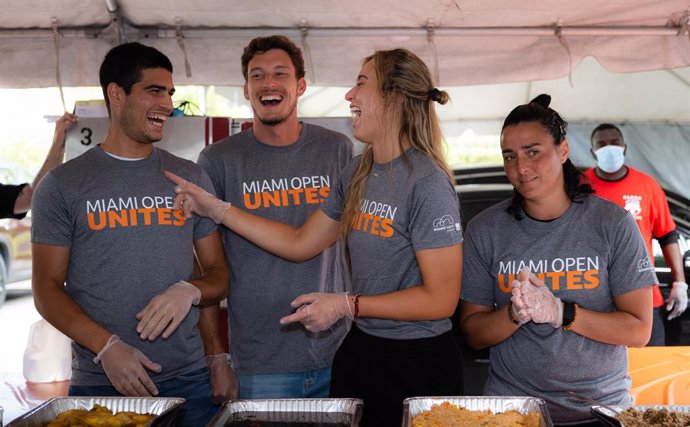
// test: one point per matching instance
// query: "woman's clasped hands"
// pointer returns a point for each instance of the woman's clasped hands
(533, 301)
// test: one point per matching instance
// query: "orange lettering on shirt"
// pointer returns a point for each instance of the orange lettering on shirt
(119, 218)
(591, 279)
(270, 198)
(573, 280)
(386, 228)
(252, 201)
(133, 219)
(323, 192)
(505, 282)
(376, 221)
(555, 277)
(147, 212)
(311, 196)
(164, 216)
(91, 219)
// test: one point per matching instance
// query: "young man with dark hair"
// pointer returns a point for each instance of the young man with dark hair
(113, 258)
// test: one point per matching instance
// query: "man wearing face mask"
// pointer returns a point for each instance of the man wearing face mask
(645, 200)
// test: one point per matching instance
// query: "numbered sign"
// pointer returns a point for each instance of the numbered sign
(182, 136)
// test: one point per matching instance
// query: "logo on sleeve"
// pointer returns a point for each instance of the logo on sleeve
(445, 223)
(645, 264)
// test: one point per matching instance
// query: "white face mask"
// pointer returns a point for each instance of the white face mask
(610, 158)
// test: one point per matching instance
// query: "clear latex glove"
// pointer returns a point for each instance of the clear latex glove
(677, 300)
(319, 311)
(164, 313)
(519, 308)
(224, 384)
(125, 367)
(193, 199)
(542, 305)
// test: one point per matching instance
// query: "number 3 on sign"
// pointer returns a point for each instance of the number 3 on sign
(86, 133)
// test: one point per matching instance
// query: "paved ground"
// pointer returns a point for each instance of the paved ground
(17, 315)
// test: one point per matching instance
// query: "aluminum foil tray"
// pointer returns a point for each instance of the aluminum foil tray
(608, 417)
(413, 406)
(165, 409)
(335, 412)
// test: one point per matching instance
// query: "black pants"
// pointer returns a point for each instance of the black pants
(658, 337)
(383, 372)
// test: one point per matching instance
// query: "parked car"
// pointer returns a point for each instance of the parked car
(15, 239)
(481, 187)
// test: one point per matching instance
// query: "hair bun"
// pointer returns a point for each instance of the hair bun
(543, 100)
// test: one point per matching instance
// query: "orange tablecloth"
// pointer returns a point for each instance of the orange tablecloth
(660, 375)
(18, 396)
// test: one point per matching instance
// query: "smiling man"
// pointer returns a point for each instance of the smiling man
(113, 258)
(280, 169)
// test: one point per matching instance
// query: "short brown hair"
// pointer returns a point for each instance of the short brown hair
(263, 44)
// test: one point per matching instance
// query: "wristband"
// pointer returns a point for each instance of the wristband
(112, 340)
(356, 303)
(212, 357)
(570, 311)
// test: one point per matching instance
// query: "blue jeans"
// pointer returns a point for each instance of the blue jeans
(194, 386)
(307, 384)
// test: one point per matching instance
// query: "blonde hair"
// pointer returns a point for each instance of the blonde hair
(401, 75)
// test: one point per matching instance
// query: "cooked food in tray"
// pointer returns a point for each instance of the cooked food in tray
(653, 418)
(100, 416)
(447, 414)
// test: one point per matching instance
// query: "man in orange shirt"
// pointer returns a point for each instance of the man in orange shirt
(645, 200)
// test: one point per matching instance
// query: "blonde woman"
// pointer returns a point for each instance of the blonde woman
(396, 206)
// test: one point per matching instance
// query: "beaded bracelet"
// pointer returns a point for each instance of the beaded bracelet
(356, 303)
(510, 314)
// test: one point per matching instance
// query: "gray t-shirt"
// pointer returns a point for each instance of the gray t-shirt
(126, 245)
(284, 184)
(588, 256)
(407, 207)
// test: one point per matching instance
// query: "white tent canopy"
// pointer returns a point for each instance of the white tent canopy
(619, 60)
(465, 42)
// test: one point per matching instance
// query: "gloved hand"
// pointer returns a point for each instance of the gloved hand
(319, 311)
(167, 310)
(677, 300)
(125, 367)
(542, 305)
(224, 384)
(192, 198)
(519, 307)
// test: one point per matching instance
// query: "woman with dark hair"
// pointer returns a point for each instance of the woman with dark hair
(396, 206)
(556, 281)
